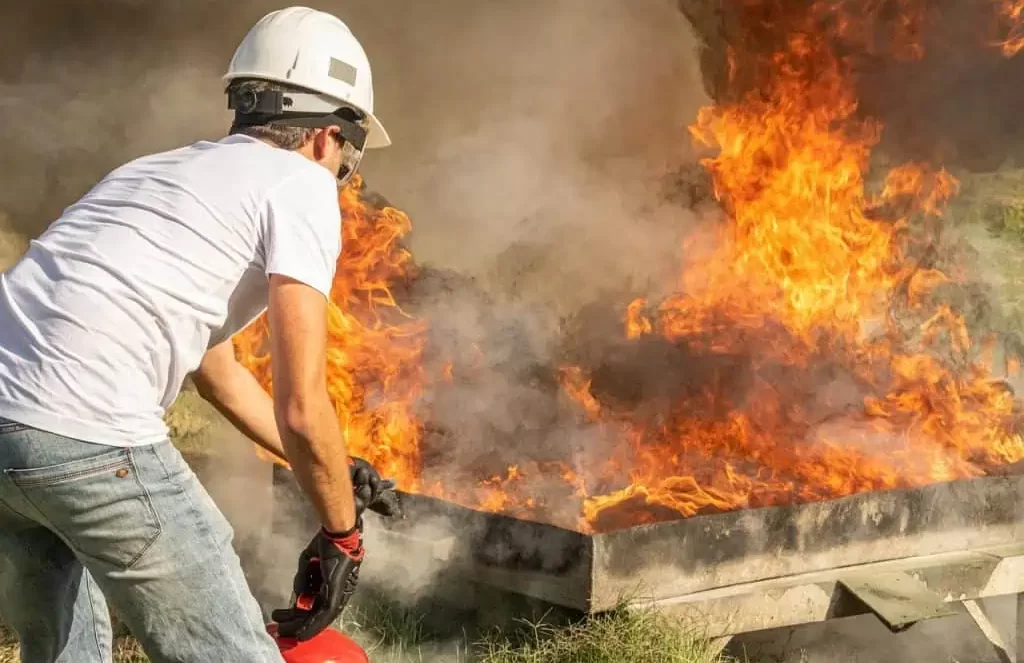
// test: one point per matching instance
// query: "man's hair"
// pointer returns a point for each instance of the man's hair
(288, 138)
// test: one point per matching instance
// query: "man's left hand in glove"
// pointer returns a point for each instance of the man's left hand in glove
(372, 492)
(329, 566)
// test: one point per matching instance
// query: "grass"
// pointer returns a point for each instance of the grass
(126, 649)
(389, 632)
(622, 636)
(191, 420)
(637, 636)
(8, 646)
(993, 207)
(400, 632)
(12, 244)
(392, 634)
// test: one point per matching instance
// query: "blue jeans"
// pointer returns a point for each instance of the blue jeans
(82, 524)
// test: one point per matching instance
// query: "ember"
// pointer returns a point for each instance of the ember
(817, 352)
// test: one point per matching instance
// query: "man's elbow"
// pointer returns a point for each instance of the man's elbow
(301, 416)
(204, 387)
(218, 375)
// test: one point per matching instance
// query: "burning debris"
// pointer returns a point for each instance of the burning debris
(822, 347)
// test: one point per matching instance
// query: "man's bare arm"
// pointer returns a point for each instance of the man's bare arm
(233, 390)
(306, 419)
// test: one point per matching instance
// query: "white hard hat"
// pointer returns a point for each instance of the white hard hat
(314, 50)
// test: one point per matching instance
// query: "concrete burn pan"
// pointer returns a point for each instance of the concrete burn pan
(594, 572)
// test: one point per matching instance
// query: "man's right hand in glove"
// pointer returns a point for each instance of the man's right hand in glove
(325, 581)
(329, 566)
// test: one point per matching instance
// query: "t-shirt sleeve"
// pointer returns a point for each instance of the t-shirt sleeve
(302, 232)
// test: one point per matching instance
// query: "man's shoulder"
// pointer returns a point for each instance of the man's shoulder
(250, 160)
(283, 165)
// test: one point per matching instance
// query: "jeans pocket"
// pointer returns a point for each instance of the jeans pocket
(97, 504)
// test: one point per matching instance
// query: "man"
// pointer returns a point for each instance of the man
(140, 283)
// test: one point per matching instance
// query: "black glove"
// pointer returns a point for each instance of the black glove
(325, 581)
(372, 492)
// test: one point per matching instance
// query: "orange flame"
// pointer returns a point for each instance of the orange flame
(856, 374)
(1011, 19)
(374, 356)
(811, 272)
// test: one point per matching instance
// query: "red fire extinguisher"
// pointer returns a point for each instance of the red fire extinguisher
(329, 646)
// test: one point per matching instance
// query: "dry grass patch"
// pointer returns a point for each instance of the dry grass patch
(126, 649)
(621, 636)
(12, 244)
(191, 421)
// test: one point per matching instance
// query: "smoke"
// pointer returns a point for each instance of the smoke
(540, 125)
(955, 106)
(88, 85)
(538, 167)
(537, 148)
(541, 137)
(536, 145)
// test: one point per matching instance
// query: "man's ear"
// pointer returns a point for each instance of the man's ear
(320, 138)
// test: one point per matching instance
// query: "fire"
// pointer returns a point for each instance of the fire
(374, 356)
(831, 357)
(1011, 19)
(814, 274)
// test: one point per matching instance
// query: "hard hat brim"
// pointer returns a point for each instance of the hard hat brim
(378, 136)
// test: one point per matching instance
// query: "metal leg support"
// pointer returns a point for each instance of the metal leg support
(1017, 637)
(1000, 620)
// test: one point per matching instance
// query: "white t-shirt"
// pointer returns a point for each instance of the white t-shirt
(113, 306)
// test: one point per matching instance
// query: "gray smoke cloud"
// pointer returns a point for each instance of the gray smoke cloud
(547, 128)
(537, 147)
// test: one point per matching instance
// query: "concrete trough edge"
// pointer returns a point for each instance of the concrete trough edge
(596, 572)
